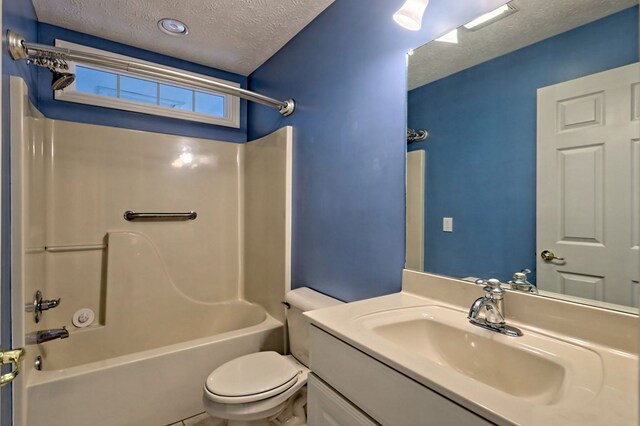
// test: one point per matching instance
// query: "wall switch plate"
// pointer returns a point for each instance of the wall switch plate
(447, 224)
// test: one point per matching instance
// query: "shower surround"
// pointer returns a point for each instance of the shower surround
(172, 300)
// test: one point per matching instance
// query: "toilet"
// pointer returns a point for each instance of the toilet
(265, 387)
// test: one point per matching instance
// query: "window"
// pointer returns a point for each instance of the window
(119, 90)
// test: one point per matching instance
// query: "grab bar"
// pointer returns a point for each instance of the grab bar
(131, 216)
(86, 247)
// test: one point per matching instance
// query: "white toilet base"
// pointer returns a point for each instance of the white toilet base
(295, 413)
(291, 412)
(248, 423)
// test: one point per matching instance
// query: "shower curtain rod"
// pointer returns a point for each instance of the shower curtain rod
(52, 57)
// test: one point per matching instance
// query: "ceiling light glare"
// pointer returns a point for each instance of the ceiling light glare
(450, 37)
(410, 14)
(494, 15)
(173, 27)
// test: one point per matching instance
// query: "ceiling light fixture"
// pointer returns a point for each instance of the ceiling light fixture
(173, 27)
(410, 14)
(491, 17)
(450, 37)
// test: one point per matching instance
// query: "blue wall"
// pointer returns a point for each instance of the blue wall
(131, 120)
(20, 16)
(481, 151)
(347, 72)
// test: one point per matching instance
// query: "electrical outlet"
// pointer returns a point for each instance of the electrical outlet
(447, 224)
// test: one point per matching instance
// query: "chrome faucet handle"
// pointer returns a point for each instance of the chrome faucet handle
(494, 288)
(521, 283)
(493, 283)
(39, 305)
(49, 304)
(520, 277)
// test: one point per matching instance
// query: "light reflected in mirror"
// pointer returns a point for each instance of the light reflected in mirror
(532, 153)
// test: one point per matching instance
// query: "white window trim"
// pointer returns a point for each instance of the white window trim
(70, 94)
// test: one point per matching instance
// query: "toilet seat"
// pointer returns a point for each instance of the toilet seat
(259, 409)
(251, 378)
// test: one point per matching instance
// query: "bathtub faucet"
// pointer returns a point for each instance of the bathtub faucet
(42, 336)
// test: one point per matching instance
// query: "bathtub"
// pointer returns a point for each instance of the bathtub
(145, 359)
(155, 386)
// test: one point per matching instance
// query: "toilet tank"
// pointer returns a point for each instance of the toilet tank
(301, 300)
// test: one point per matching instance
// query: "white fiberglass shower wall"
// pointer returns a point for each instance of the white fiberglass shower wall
(188, 295)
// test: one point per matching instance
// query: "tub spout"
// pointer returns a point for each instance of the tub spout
(42, 336)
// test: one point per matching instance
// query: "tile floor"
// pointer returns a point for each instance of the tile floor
(202, 419)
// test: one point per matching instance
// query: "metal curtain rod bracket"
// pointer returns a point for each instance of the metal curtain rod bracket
(131, 216)
(416, 135)
(47, 56)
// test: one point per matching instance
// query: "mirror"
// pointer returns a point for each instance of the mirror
(524, 150)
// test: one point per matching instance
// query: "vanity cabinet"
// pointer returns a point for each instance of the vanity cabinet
(326, 407)
(384, 394)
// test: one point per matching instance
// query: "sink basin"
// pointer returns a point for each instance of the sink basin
(539, 369)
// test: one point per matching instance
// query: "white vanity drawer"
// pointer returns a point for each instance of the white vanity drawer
(326, 407)
(386, 395)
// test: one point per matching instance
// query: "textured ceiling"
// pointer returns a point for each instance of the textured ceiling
(535, 21)
(232, 35)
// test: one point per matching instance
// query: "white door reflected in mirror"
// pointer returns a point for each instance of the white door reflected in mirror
(587, 131)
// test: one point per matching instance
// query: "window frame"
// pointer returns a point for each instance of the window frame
(231, 116)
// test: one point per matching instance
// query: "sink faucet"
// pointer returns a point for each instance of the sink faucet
(520, 282)
(42, 336)
(492, 305)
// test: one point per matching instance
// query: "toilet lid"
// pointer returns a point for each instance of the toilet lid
(252, 375)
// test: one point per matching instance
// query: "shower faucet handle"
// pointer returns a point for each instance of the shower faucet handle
(49, 304)
(40, 305)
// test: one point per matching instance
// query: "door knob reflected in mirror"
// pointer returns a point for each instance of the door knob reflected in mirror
(548, 256)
